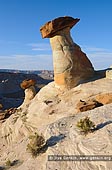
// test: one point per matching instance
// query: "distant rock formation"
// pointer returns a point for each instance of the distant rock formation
(71, 65)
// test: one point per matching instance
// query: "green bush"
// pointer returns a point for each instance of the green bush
(86, 125)
(8, 163)
(36, 144)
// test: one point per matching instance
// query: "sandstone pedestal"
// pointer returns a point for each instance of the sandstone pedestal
(71, 65)
(30, 92)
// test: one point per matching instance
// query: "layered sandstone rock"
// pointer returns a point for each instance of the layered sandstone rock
(105, 98)
(83, 106)
(71, 65)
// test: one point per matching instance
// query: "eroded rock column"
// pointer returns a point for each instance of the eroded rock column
(29, 86)
(71, 65)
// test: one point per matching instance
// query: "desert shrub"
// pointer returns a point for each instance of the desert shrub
(86, 125)
(36, 144)
(8, 163)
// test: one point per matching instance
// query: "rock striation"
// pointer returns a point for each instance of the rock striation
(53, 113)
(83, 106)
(71, 65)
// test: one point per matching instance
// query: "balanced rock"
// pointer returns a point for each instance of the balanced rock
(50, 28)
(30, 91)
(27, 83)
(71, 65)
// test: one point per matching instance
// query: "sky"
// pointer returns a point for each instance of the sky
(21, 43)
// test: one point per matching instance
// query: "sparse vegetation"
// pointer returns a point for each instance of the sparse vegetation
(23, 116)
(8, 163)
(86, 125)
(36, 144)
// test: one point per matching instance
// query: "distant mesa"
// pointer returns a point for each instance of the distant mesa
(71, 65)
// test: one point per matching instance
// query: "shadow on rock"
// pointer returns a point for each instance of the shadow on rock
(53, 140)
(2, 168)
(101, 125)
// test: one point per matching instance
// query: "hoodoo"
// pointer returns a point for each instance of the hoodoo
(71, 65)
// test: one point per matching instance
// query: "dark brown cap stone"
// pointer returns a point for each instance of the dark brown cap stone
(27, 83)
(50, 28)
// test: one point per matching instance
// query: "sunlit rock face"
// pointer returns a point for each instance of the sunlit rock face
(109, 73)
(71, 65)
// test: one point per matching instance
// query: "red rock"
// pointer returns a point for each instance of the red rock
(27, 83)
(105, 98)
(50, 28)
(83, 106)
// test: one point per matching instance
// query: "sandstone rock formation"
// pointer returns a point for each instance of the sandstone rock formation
(53, 113)
(71, 65)
(30, 92)
(104, 98)
(88, 105)
(109, 73)
(27, 83)
(95, 101)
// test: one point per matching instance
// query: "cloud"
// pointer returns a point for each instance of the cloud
(94, 49)
(26, 62)
(101, 58)
(3, 42)
(40, 46)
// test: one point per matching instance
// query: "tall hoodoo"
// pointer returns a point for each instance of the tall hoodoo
(71, 65)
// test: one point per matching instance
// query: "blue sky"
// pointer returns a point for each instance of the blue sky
(21, 44)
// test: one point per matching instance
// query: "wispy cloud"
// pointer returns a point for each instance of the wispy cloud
(40, 46)
(100, 57)
(26, 62)
(8, 42)
(94, 49)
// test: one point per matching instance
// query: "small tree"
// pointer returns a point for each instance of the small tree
(8, 163)
(86, 125)
(36, 144)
